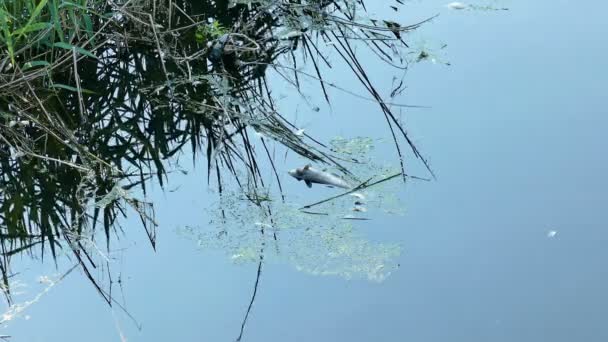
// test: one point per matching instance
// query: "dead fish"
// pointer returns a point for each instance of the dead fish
(310, 175)
(217, 50)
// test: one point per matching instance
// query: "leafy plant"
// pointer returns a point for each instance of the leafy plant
(208, 32)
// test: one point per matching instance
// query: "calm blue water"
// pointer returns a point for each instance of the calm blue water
(516, 134)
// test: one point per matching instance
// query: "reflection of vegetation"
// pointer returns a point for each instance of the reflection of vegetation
(47, 284)
(315, 245)
(356, 149)
(319, 239)
(423, 51)
(96, 98)
(322, 243)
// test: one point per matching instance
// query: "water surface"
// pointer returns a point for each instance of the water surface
(515, 135)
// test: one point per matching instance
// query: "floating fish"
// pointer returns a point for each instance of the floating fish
(217, 50)
(310, 175)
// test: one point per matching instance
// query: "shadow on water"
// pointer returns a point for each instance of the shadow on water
(94, 108)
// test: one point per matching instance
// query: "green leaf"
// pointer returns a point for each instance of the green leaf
(33, 64)
(80, 50)
(71, 4)
(31, 28)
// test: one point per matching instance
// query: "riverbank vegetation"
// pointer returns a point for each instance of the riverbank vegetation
(98, 97)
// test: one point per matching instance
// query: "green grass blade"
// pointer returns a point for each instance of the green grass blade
(31, 28)
(37, 11)
(72, 16)
(33, 64)
(88, 24)
(34, 15)
(56, 22)
(7, 35)
(72, 4)
(80, 50)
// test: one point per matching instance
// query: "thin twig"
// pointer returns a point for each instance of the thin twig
(359, 187)
(255, 291)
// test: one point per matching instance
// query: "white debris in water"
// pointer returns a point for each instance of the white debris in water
(299, 132)
(45, 280)
(360, 209)
(14, 123)
(289, 35)
(551, 234)
(456, 5)
(358, 195)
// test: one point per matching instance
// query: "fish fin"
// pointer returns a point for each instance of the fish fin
(307, 166)
(309, 183)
